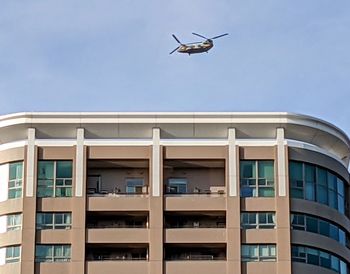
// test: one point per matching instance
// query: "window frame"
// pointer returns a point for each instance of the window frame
(13, 226)
(53, 225)
(17, 182)
(51, 257)
(57, 188)
(12, 249)
(253, 187)
(259, 257)
(257, 224)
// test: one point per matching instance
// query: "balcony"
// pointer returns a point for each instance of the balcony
(195, 252)
(194, 177)
(114, 178)
(194, 184)
(183, 227)
(117, 227)
(117, 252)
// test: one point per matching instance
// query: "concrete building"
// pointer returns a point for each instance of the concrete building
(152, 193)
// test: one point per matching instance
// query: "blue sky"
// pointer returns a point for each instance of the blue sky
(107, 55)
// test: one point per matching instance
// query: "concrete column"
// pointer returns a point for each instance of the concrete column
(79, 206)
(233, 226)
(29, 205)
(156, 206)
(282, 206)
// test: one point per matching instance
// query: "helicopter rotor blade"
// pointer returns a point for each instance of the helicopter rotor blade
(200, 35)
(219, 36)
(174, 50)
(177, 40)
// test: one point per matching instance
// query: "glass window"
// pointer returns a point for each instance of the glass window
(311, 224)
(267, 252)
(325, 259)
(296, 179)
(54, 178)
(334, 232)
(310, 182)
(322, 186)
(15, 180)
(258, 220)
(324, 228)
(314, 183)
(13, 254)
(14, 222)
(52, 253)
(55, 220)
(250, 253)
(177, 185)
(318, 257)
(257, 178)
(134, 185)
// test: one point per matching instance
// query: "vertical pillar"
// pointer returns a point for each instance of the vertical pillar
(156, 207)
(282, 206)
(29, 206)
(79, 206)
(233, 226)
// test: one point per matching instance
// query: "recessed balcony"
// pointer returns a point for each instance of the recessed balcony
(194, 177)
(117, 252)
(195, 252)
(113, 178)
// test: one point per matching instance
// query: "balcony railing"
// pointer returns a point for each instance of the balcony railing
(195, 257)
(117, 192)
(117, 257)
(213, 190)
(116, 225)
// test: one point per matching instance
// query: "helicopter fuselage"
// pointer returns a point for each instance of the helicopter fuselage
(195, 48)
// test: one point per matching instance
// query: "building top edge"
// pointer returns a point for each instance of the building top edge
(67, 117)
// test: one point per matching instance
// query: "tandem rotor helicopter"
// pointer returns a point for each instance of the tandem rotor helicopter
(198, 47)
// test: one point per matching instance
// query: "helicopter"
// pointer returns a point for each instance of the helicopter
(197, 47)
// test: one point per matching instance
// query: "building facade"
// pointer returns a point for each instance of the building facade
(153, 193)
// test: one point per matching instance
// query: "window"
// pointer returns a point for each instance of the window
(57, 220)
(134, 185)
(317, 184)
(55, 179)
(258, 253)
(258, 220)
(177, 185)
(317, 257)
(14, 222)
(317, 225)
(15, 180)
(13, 254)
(52, 253)
(257, 178)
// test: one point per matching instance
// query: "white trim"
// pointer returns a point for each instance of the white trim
(232, 162)
(307, 146)
(194, 142)
(3, 224)
(118, 142)
(55, 142)
(30, 163)
(4, 181)
(256, 142)
(156, 163)
(281, 163)
(15, 144)
(2, 255)
(79, 163)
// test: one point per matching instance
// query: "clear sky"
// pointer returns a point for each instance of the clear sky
(113, 55)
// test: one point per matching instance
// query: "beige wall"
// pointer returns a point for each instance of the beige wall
(202, 178)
